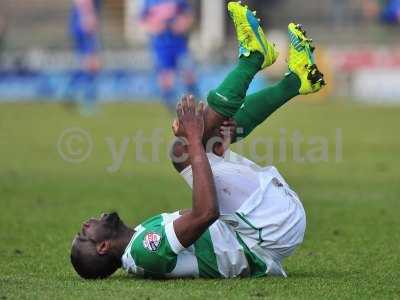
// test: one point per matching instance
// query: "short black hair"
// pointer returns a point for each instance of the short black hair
(90, 265)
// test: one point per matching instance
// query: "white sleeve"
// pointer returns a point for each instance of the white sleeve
(175, 244)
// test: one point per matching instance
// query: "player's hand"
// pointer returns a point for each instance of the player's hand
(177, 128)
(182, 24)
(228, 131)
(191, 120)
(155, 26)
(90, 24)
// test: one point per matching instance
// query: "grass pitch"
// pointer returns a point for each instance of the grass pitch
(352, 243)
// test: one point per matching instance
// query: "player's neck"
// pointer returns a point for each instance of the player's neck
(123, 240)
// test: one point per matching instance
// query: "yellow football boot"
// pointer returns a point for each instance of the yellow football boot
(301, 60)
(250, 35)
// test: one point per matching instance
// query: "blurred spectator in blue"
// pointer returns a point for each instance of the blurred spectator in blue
(168, 23)
(84, 29)
(391, 12)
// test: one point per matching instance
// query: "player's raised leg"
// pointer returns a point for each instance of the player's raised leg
(303, 78)
(255, 54)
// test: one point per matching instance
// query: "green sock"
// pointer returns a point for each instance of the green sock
(259, 106)
(228, 97)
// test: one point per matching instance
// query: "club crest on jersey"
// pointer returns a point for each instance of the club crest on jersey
(152, 241)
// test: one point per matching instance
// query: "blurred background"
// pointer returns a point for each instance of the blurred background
(63, 158)
(43, 53)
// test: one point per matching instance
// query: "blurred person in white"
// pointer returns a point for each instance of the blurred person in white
(84, 24)
(168, 22)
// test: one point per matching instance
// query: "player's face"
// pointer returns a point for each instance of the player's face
(104, 228)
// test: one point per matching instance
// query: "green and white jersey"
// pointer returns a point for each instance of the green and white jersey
(155, 252)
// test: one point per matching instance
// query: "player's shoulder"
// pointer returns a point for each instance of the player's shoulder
(159, 220)
(151, 233)
(150, 248)
(153, 221)
(153, 2)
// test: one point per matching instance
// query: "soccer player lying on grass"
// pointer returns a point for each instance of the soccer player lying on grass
(244, 219)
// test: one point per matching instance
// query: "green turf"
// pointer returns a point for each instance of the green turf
(352, 243)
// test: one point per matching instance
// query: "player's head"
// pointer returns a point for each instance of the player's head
(95, 252)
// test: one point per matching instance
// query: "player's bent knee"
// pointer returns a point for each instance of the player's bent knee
(189, 77)
(167, 80)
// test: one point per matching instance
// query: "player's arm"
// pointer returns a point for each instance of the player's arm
(89, 18)
(205, 211)
(151, 23)
(184, 21)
